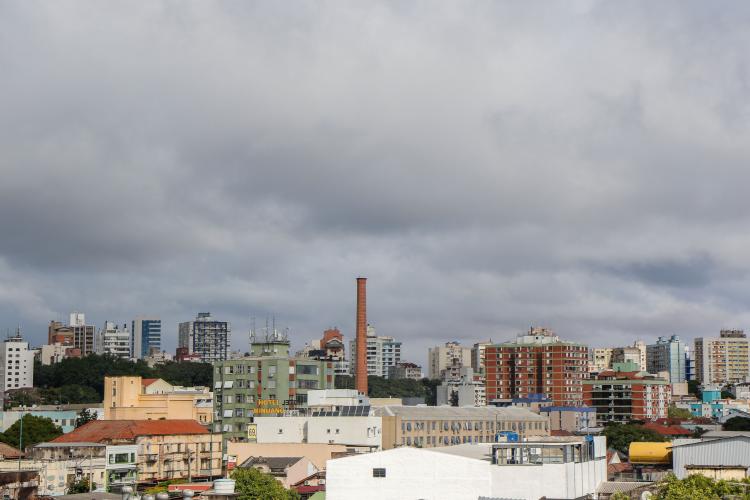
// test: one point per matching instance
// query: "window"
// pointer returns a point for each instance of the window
(378, 472)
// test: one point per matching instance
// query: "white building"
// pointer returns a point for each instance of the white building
(114, 340)
(353, 431)
(17, 364)
(452, 355)
(570, 467)
(50, 354)
(467, 390)
(382, 353)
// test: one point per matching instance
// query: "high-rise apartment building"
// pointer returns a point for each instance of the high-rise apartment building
(667, 355)
(537, 362)
(624, 396)
(382, 353)
(641, 346)
(146, 335)
(722, 360)
(16, 363)
(266, 383)
(114, 340)
(600, 359)
(626, 355)
(59, 333)
(83, 334)
(206, 336)
(452, 356)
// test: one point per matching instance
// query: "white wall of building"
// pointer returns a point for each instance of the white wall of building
(355, 431)
(17, 364)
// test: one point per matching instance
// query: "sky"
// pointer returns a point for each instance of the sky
(488, 166)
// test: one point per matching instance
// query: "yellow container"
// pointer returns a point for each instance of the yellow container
(650, 453)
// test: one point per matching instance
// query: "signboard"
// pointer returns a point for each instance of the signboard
(268, 407)
(252, 433)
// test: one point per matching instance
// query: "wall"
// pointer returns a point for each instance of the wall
(355, 431)
(730, 452)
(164, 457)
(317, 453)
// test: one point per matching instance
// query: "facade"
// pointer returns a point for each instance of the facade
(268, 382)
(114, 340)
(624, 396)
(83, 334)
(642, 349)
(723, 359)
(146, 335)
(575, 419)
(405, 369)
(134, 398)
(17, 363)
(59, 333)
(330, 347)
(382, 353)
(62, 464)
(563, 468)
(286, 470)
(164, 449)
(538, 362)
(362, 432)
(54, 353)
(443, 357)
(477, 356)
(667, 355)
(433, 426)
(64, 415)
(207, 337)
(626, 355)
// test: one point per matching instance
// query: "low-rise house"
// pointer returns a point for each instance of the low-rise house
(158, 450)
(549, 467)
(287, 470)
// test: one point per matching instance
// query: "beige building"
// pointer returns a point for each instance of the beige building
(318, 453)
(161, 449)
(722, 360)
(134, 398)
(452, 355)
(601, 359)
(432, 426)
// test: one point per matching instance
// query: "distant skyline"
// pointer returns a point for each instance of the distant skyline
(578, 165)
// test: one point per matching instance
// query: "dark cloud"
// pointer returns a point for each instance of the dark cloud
(577, 165)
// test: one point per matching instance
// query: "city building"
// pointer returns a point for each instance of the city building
(432, 426)
(136, 398)
(451, 355)
(157, 450)
(468, 389)
(404, 369)
(601, 359)
(182, 355)
(723, 359)
(667, 355)
(146, 335)
(59, 333)
(114, 340)
(477, 356)
(356, 429)
(382, 353)
(268, 382)
(64, 415)
(54, 353)
(626, 355)
(537, 362)
(328, 348)
(83, 334)
(286, 470)
(712, 405)
(621, 396)
(575, 419)
(207, 337)
(17, 364)
(643, 350)
(547, 467)
(158, 357)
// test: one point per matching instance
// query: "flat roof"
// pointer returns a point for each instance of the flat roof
(463, 413)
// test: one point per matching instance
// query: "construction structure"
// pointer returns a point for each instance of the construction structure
(361, 343)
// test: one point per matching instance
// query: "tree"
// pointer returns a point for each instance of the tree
(252, 484)
(80, 486)
(680, 413)
(35, 430)
(85, 416)
(697, 487)
(619, 436)
(694, 388)
(737, 424)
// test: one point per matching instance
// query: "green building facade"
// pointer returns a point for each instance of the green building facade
(267, 382)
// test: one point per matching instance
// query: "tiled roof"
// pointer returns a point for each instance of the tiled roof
(148, 381)
(667, 430)
(98, 431)
(7, 451)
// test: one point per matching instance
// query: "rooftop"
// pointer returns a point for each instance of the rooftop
(105, 430)
(454, 412)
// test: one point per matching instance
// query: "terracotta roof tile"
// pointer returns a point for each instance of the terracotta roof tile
(148, 381)
(98, 431)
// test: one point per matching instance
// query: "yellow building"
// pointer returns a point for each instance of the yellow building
(134, 398)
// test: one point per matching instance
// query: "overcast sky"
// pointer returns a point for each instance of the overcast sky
(578, 165)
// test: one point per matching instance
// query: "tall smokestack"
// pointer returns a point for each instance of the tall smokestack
(361, 369)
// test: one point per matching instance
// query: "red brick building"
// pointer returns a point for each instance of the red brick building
(538, 362)
(624, 396)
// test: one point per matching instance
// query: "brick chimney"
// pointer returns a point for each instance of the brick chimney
(360, 381)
